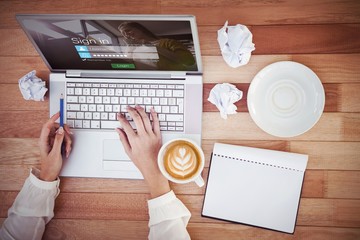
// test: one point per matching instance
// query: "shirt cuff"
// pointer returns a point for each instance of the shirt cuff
(167, 207)
(35, 180)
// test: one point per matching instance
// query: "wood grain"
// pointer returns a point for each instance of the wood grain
(133, 207)
(318, 184)
(323, 35)
(330, 127)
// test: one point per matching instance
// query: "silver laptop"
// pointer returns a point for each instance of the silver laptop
(103, 63)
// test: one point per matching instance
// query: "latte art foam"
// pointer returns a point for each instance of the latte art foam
(181, 160)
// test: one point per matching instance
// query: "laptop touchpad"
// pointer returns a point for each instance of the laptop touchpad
(114, 150)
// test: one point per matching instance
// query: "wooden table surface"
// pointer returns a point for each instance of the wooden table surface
(322, 34)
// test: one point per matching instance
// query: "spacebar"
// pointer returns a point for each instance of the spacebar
(113, 124)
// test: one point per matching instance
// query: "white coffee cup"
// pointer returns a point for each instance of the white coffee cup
(181, 160)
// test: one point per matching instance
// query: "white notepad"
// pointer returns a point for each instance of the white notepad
(254, 186)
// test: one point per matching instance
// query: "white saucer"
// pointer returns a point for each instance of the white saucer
(286, 99)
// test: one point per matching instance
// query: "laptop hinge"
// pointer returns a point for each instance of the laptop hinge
(114, 74)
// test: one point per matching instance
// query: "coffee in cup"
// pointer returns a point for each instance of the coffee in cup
(182, 161)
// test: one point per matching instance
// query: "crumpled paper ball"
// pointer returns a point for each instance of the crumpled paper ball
(236, 44)
(223, 96)
(32, 87)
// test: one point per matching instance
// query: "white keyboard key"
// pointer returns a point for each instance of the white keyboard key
(138, 100)
(171, 86)
(180, 87)
(114, 100)
(70, 84)
(155, 101)
(71, 114)
(168, 93)
(88, 115)
(92, 107)
(131, 100)
(160, 93)
(108, 108)
(123, 100)
(163, 101)
(174, 109)
(95, 124)
(70, 123)
(102, 92)
(104, 116)
(98, 99)
(165, 109)
(82, 99)
(100, 108)
(94, 91)
(178, 93)
(135, 92)
(86, 91)
(96, 115)
(110, 92)
(73, 107)
(174, 118)
(106, 100)
(70, 91)
(143, 92)
(84, 107)
(171, 128)
(80, 115)
(157, 109)
(78, 91)
(90, 99)
(72, 99)
(161, 117)
(112, 116)
(116, 108)
(179, 129)
(118, 92)
(86, 123)
(127, 92)
(147, 100)
(151, 93)
(78, 123)
(110, 124)
(172, 101)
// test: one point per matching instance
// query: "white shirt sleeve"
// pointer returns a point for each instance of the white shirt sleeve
(168, 218)
(32, 210)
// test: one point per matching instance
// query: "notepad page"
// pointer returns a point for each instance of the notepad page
(255, 186)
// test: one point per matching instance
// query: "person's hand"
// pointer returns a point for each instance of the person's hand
(50, 143)
(142, 146)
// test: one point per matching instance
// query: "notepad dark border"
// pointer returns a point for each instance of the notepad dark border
(246, 224)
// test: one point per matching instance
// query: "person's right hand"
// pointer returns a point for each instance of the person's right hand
(50, 143)
(142, 146)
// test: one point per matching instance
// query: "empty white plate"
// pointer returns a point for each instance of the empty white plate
(286, 99)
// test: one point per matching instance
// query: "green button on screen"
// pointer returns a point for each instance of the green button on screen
(123, 65)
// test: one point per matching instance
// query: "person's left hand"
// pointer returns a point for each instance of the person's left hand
(50, 143)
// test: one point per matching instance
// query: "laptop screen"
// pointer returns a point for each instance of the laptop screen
(74, 43)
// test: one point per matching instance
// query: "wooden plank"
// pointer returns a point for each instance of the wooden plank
(262, 12)
(322, 155)
(133, 207)
(330, 68)
(317, 184)
(291, 39)
(330, 127)
(22, 124)
(118, 229)
(114, 229)
(329, 155)
(285, 39)
(8, 9)
(13, 68)
(11, 99)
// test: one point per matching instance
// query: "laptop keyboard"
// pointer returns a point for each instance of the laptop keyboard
(95, 105)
